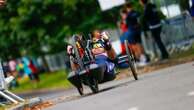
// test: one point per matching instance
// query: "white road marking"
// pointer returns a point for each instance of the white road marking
(133, 108)
(191, 93)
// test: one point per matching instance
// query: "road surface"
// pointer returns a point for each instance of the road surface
(167, 89)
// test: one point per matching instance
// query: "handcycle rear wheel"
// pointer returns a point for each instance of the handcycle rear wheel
(131, 60)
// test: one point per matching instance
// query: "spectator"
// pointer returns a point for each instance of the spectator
(27, 70)
(192, 9)
(184, 5)
(12, 67)
(6, 69)
(34, 70)
(152, 22)
(122, 23)
(20, 68)
(133, 34)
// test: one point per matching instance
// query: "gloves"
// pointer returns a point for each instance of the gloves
(106, 41)
(70, 50)
(71, 53)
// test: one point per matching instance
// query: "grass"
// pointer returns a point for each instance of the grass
(189, 53)
(5, 107)
(2, 107)
(54, 80)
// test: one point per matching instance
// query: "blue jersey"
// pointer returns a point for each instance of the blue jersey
(132, 20)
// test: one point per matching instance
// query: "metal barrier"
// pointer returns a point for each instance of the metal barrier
(178, 33)
(57, 61)
(3, 88)
(178, 29)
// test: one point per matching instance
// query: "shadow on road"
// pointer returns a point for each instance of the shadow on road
(110, 88)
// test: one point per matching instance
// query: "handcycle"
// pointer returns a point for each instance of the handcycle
(91, 74)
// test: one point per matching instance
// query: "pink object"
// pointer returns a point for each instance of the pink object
(12, 65)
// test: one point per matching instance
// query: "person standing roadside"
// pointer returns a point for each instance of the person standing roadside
(122, 24)
(185, 6)
(20, 68)
(27, 70)
(34, 70)
(12, 67)
(133, 33)
(152, 21)
(192, 9)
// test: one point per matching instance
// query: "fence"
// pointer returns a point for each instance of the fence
(178, 34)
(178, 29)
(57, 61)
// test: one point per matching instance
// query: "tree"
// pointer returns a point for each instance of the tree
(31, 24)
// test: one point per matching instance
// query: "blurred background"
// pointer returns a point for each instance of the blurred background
(36, 33)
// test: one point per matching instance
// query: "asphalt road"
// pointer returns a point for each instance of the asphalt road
(166, 89)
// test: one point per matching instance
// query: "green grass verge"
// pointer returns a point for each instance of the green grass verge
(54, 80)
(2, 108)
(188, 53)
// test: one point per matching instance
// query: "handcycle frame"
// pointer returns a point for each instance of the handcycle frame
(91, 74)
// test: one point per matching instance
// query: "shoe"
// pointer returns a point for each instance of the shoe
(143, 58)
(141, 64)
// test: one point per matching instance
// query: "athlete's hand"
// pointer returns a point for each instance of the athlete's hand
(106, 40)
(104, 36)
(70, 50)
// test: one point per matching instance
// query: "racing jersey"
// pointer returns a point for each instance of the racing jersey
(97, 43)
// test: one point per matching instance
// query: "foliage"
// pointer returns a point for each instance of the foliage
(29, 25)
(40, 27)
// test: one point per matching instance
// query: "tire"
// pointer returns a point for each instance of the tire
(93, 84)
(131, 60)
(80, 87)
(80, 90)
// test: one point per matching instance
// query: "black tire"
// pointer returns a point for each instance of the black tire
(131, 60)
(93, 84)
(80, 90)
(80, 86)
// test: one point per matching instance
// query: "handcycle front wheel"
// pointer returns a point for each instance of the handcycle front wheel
(80, 90)
(93, 84)
(131, 60)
